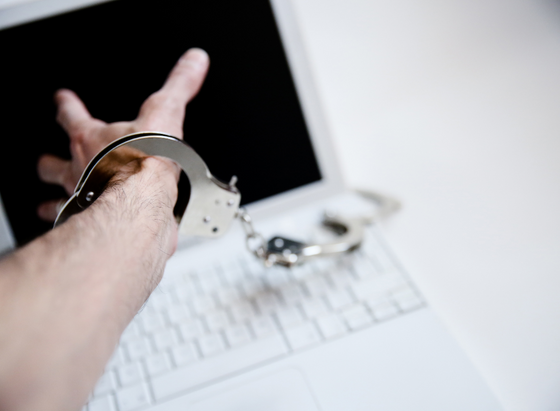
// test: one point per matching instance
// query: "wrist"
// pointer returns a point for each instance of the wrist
(134, 218)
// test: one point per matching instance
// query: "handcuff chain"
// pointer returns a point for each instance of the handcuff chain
(253, 240)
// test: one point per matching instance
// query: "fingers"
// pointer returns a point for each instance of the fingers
(72, 113)
(49, 209)
(54, 170)
(186, 78)
(184, 81)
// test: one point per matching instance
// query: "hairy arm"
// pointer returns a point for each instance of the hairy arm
(66, 297)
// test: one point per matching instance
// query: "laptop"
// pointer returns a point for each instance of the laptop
(223, 332)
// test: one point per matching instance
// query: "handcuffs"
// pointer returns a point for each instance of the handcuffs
(213, 205)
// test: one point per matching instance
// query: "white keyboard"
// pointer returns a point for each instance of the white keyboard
(200, 327)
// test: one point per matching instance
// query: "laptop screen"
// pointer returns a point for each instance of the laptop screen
(246, 121)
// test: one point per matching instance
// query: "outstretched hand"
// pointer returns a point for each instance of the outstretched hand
(163, 111)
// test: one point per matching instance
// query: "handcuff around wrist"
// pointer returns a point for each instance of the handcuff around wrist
(213, 205)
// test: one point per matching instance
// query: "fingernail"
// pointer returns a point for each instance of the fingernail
(58, 93)
(196, 56)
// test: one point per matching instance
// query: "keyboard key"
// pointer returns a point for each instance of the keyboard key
(191, 330)
(383, 311)
(263, 326)
(376, 286)
(178, 313)
(363, 268)
(316, 286)
(357, 317)
(378, 299)
(165, 339)
(276, 276)
(339, 299)
(129, 374)
(105, 384)
(137, 348)
(252, 287)
(292, 294)
(301, 272)
(217, 320)
(209, 282)
(385, 261)
(403, 293)
(407, 300)
(267, 303)
(184, 354)
(105, 403)
(324, 265)
(341, 279)
(157, 364)
(152, 322)
(314, 308)
(379, 256)
(186, 292)
(254, 267)
(289, 316)
(302, 336)
(132, 398)
(231, 361)
(211, 344)
(242, 311)
(203, 304)
(233, 274)
(237, 335)
(228, 296)
(331, 326)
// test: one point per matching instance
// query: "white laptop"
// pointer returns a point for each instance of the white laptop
(222, 332)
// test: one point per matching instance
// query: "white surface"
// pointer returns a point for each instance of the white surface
(455, 108)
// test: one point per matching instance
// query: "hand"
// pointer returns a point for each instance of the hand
(163, 111)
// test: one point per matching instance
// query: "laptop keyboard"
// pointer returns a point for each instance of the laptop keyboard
(202, 326)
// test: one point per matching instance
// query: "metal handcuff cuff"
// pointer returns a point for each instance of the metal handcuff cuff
(213, 205)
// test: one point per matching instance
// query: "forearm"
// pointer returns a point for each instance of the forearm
(66, 297)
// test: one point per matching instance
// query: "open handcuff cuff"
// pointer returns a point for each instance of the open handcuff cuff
(213, 205)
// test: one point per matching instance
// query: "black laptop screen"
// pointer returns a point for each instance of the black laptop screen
(246, 121)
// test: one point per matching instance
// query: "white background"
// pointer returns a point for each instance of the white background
(454, 107)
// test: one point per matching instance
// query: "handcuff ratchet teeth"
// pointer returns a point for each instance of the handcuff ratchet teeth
(213, 205)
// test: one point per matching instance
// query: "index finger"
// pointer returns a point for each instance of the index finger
(72, 113)
(186, 78)
(166, 107)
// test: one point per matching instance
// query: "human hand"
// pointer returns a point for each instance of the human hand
(163, 111)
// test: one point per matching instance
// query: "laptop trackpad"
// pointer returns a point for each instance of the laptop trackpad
(283, 391)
